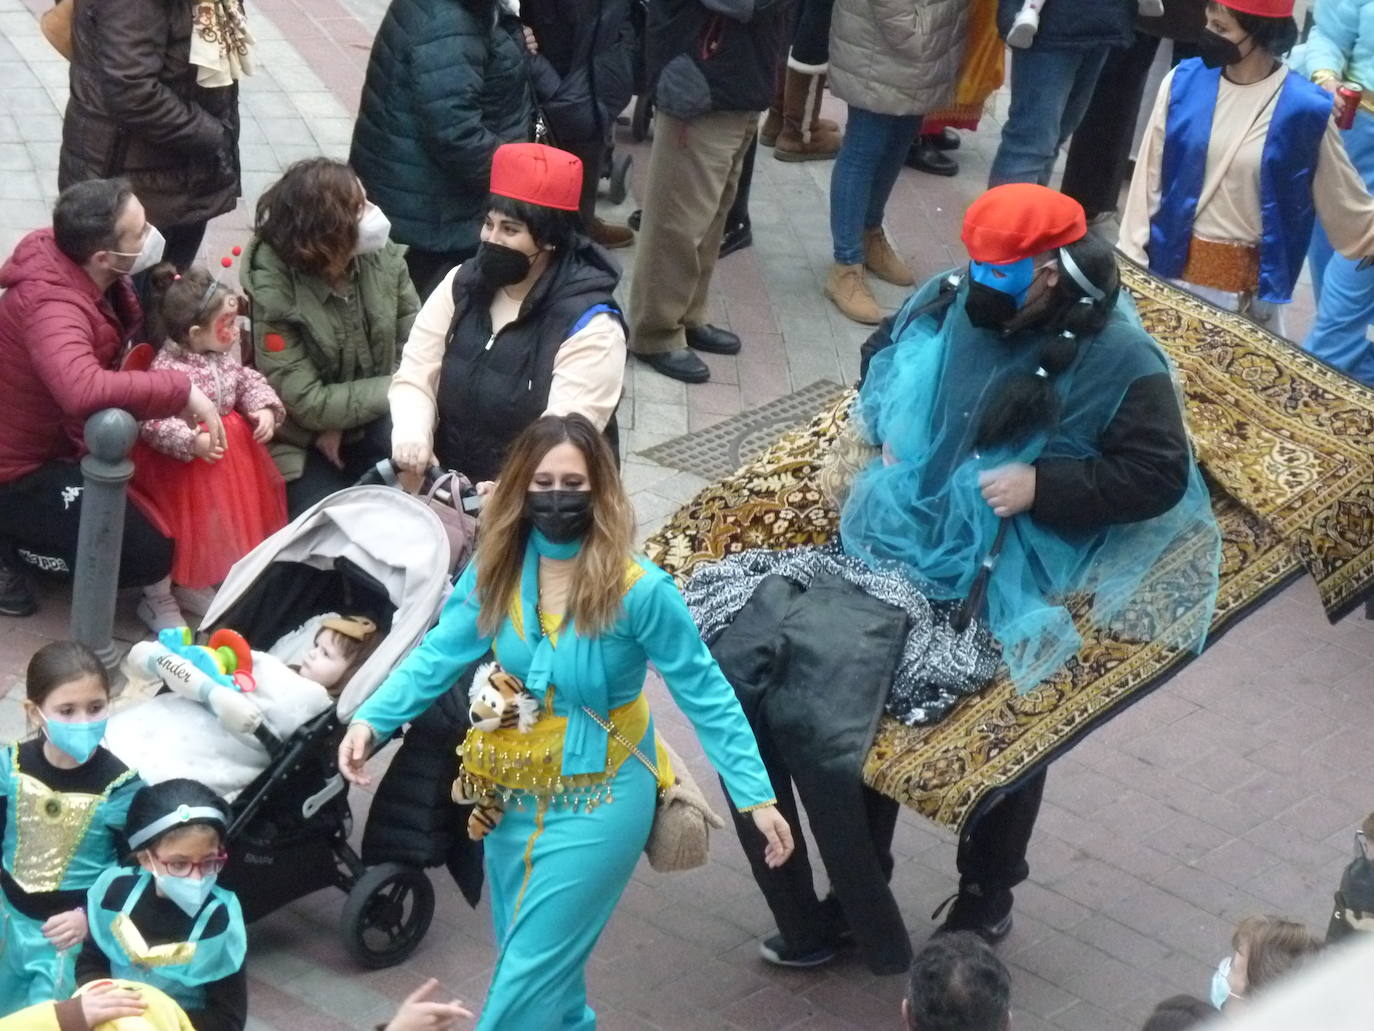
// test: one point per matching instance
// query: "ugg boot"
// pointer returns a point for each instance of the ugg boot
(882, 260)
(846, 287)
(802, 137)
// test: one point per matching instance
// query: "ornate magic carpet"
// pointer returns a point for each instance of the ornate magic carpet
(1288, 449)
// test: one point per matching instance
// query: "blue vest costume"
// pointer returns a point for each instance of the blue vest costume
(1287, 167)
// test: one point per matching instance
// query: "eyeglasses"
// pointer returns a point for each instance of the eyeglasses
(207, 867)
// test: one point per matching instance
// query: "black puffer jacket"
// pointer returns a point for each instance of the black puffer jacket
(446, 85)
(715, 55)
(136, 111)
(584, 71)
(1076, 24)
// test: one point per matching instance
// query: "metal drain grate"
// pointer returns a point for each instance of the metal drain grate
(717, 452)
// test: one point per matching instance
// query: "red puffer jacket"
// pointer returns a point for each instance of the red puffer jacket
(60, 340)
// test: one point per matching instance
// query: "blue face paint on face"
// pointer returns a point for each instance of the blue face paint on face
(1013, 278)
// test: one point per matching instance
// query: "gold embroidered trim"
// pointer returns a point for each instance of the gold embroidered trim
(759, 805)
(529, 855)
(146, 956)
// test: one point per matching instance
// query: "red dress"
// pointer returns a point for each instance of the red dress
(216, 512)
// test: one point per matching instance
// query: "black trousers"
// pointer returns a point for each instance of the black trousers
(739, 210)
(40, 518)
(322, 478)
(992, 852)
(183, 244)
(592, 153)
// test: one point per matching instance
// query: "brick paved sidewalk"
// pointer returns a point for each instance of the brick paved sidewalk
(1232, 790)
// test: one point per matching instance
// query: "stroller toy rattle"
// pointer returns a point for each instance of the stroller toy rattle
(216, 676)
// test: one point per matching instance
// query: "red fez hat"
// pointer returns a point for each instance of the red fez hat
(536, 174)
(1263, 8)
(1019, 220)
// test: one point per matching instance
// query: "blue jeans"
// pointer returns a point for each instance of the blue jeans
(1345, 294)
(1050, 90)
(865, 171)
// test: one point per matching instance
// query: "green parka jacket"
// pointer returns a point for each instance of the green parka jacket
(328, 358)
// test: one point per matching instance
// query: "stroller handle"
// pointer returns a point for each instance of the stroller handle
(386, 473)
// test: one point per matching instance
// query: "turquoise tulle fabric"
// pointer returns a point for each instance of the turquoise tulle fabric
(919, 504)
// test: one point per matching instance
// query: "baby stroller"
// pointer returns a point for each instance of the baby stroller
(367, 550)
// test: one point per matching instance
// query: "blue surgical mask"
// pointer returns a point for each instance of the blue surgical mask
(1221, 983)
(78, 740)
(189, 893)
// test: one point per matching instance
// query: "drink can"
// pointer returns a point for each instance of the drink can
(1352, 94)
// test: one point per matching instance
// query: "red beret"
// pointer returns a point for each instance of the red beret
(1020, 220)
(536, 174)
(1263, 8)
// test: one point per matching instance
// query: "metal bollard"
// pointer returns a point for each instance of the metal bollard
(110, 435)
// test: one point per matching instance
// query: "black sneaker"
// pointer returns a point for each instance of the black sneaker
(776, 951)
(16, 597)
(988, 916)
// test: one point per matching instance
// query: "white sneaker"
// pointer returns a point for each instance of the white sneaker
(160, 612)
(194, 601)
(1024, 28)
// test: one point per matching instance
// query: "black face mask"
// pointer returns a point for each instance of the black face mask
(1217, 51)
(989, 308)
(560, 515)
(499, 265)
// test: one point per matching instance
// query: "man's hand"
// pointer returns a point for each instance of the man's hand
(531, 44)
(1008, 489)
(328, 443)
(206, 449)
(65, 930)
(201, 411)
(416, 1014)
(264, 424)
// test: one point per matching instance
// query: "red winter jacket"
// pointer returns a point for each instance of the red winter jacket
(60, 341)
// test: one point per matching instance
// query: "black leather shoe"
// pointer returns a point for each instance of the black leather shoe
(736, 238)
(924, 156)
(712, 340)
(681, 365)
(945, 139)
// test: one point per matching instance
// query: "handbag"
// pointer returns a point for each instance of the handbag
(56, 26)
(444, 496)
(680, 838)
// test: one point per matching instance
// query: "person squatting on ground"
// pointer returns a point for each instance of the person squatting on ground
(217, 501)
(332, 305)
(555, 593)
(890, 64)
(1020, 411)
(155, 99)
(67, 315)
(711, 63)
(66, 800)
(161, 919)
(1340, 48)
(446, 85)
(1239, 159)
(527, 327)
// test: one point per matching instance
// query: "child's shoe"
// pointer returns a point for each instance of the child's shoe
(1024, 28)
(194, 601)
(159, 610)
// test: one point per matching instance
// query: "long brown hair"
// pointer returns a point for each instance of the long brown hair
(599, 574)
(310, 217)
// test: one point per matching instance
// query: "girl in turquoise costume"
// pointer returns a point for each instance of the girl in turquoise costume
(164, 921)
(65, 803)
(556, 595)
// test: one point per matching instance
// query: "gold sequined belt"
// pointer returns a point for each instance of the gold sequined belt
(1233, 267)
(510, 762)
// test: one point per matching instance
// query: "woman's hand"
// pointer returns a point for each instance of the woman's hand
(65, 930)
(206, 449)
(1009, 489)
(264, 424)
(110, 1001)
(412, 456)
(416, 1014)
(774, 828)
(354, 749)
(201, 411)
(531, 44)
(328, 443)
(485, 488)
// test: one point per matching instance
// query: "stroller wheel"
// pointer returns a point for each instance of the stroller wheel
(640, 120)
(386, 915)
(619, 187)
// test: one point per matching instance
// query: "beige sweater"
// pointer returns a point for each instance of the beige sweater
(588, 371)
(1228, 208)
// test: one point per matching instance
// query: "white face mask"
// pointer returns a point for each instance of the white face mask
(374, 229)
(149, 254)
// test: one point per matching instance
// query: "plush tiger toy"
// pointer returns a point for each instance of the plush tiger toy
(496, 701)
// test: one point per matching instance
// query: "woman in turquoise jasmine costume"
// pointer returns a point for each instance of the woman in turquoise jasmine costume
(555, 593)
(66, 798)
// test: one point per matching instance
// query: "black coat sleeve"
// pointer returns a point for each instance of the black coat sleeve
(226, 1004)
(91, 963)
(1141, 473)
